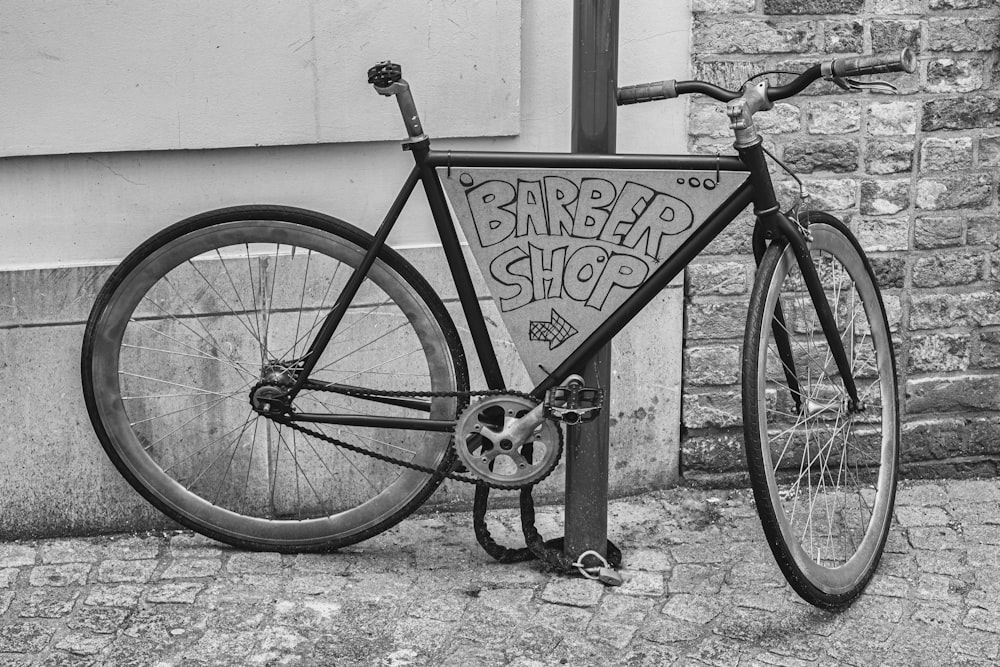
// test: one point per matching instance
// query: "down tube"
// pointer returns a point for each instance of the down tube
(646, 292)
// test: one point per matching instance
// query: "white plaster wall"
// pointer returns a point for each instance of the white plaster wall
(115, 75)
(96, 207)
(87, 210)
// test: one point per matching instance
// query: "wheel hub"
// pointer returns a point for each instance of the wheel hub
(270, 395)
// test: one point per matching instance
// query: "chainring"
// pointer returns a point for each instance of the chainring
(497, 461)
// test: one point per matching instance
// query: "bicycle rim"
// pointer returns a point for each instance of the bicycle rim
(195, 318)
(824, 475)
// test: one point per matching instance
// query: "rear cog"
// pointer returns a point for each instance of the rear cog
(497, 460)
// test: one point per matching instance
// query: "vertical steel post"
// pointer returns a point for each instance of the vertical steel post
(595, 73)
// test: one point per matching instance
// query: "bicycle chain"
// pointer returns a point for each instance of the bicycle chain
(549, 552)
(463, 395)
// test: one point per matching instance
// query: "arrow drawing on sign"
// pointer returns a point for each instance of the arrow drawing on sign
(555, 332)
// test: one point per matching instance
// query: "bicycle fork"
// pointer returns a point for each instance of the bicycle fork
(770, 220)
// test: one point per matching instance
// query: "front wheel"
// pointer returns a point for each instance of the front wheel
(208, 312)
(823, 470)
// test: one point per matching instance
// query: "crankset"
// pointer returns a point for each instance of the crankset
(499, 446)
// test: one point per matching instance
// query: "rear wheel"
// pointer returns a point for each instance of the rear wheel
(200, 315)
(823, 472)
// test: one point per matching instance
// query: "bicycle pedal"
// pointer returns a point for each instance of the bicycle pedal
(573, 403)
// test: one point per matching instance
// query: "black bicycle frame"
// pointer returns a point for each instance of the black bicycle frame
(752, 190)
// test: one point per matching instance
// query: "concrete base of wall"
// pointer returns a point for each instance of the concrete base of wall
(56, 480)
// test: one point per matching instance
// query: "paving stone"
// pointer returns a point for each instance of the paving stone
(699, 609)
(63, 659)
(700, 579)
(890, 586)
(47, 603)
(254, 563)
(192, 568)
(935, 537)
(982, 534)
(982, 619)
(419, 640)
(769, 658)
(940, 617)
(666, 630)
(657, 560)
(951, 563)
(320, 583)
(611, 633)
(175, 593)
(931, 586)
(277, 644)
(25, 637)
(641, 583)
(898, 541)
(71, 551)
(561, 619)
(123, 595)
(6, 597)
(438, 606)
(625, 609)
(69, 574)
(8, 576)
(102, 620)
(716, 651)
(645, 653)
(747, 626)
(922, 516)
(83, 643)
(324, 563)
(469, 653)
(232, 647)
(192, 545)
(921, 494)
(133, 547)
(695, 553)
(573, 592)
(116, 571)
(582, 650)
(973, 491)
(16, 555)
(776, 599)
(974, 513)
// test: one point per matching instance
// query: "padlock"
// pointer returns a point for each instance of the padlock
(609, 576)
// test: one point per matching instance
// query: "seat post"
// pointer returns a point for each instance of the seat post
(387, 77)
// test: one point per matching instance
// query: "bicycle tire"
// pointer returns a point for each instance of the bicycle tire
(813, 461)
(191, 321)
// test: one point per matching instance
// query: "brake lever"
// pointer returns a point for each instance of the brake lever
(853, 85)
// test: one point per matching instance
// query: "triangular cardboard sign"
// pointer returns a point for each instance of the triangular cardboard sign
(561, 249)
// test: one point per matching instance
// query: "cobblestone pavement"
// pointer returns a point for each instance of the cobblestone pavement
(701, 588)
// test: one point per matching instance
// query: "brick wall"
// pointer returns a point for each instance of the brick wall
(914, 174)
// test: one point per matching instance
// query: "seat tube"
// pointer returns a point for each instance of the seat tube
(460, 272)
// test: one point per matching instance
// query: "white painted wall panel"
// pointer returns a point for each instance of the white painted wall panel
(122, 75)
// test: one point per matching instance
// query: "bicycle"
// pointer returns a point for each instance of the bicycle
(316, 409)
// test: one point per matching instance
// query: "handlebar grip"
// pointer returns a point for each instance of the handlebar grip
(906, 61)
(647, 92)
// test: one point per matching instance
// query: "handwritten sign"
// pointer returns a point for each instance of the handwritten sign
(561, 250)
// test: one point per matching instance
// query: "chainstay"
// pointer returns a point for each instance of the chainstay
(391, 459)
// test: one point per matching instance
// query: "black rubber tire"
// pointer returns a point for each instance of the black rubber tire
(832, 572)
(202, 344)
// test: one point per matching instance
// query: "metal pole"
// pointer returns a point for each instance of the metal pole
(595, 71)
